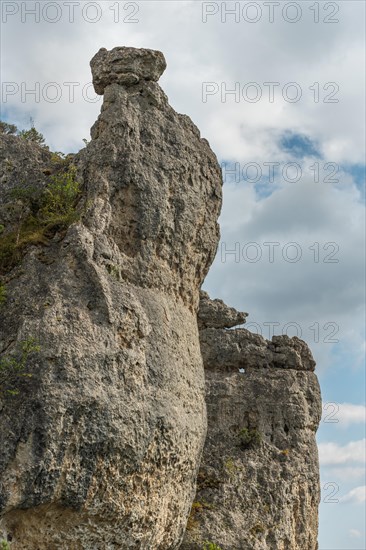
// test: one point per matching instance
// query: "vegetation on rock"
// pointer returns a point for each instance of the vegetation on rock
(39, 214)
(249, 438)
(13, 367)
(8, 129)
(2, 293)
(30, 135)
(207, 545)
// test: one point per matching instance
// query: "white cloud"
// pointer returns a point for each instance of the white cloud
(214, 51)
(355, 533)
(344, 414)
(356, 495)
(333, 453)
(313, 292)
(345, 473)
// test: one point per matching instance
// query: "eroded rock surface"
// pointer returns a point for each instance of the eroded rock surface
(258, 485)
(126, 66)
(100, 448)
(216, 314)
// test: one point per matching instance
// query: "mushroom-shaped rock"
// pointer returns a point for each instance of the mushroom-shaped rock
(125, 66)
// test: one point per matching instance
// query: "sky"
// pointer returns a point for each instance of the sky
(278, 90)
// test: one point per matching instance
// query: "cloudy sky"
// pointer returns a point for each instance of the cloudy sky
(277, 88)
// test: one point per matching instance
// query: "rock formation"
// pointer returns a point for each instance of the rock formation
(258, 484)
(101, 446)
(106, 341)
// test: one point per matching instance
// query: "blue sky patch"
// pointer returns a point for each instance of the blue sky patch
(298, 145)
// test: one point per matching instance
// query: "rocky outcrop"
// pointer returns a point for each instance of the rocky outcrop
(216, 314)
(126, 66)
(100, 447)
(105, 341)
(258, 484)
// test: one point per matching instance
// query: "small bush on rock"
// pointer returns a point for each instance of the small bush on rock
(39, 214)
(13, 367)
(249, 438)
(8, 129)
(32, 135)
(2, 293)
(207, 545)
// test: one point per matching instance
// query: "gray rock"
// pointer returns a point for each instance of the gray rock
(125, 66)
(101, 448)
(258, 484)
(216, 314)
(240, 348)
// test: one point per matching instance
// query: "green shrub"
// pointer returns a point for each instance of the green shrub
(207, 545)
(2, 293)
(7, 129)
(192, 522)
(32, 135)
(197, 508)
(26, 197)
(9, 253)
(230, 467)
(58, 159)
(249, 438)
(40, 213)
(4, 545)
(13, 367)
(60, 195)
